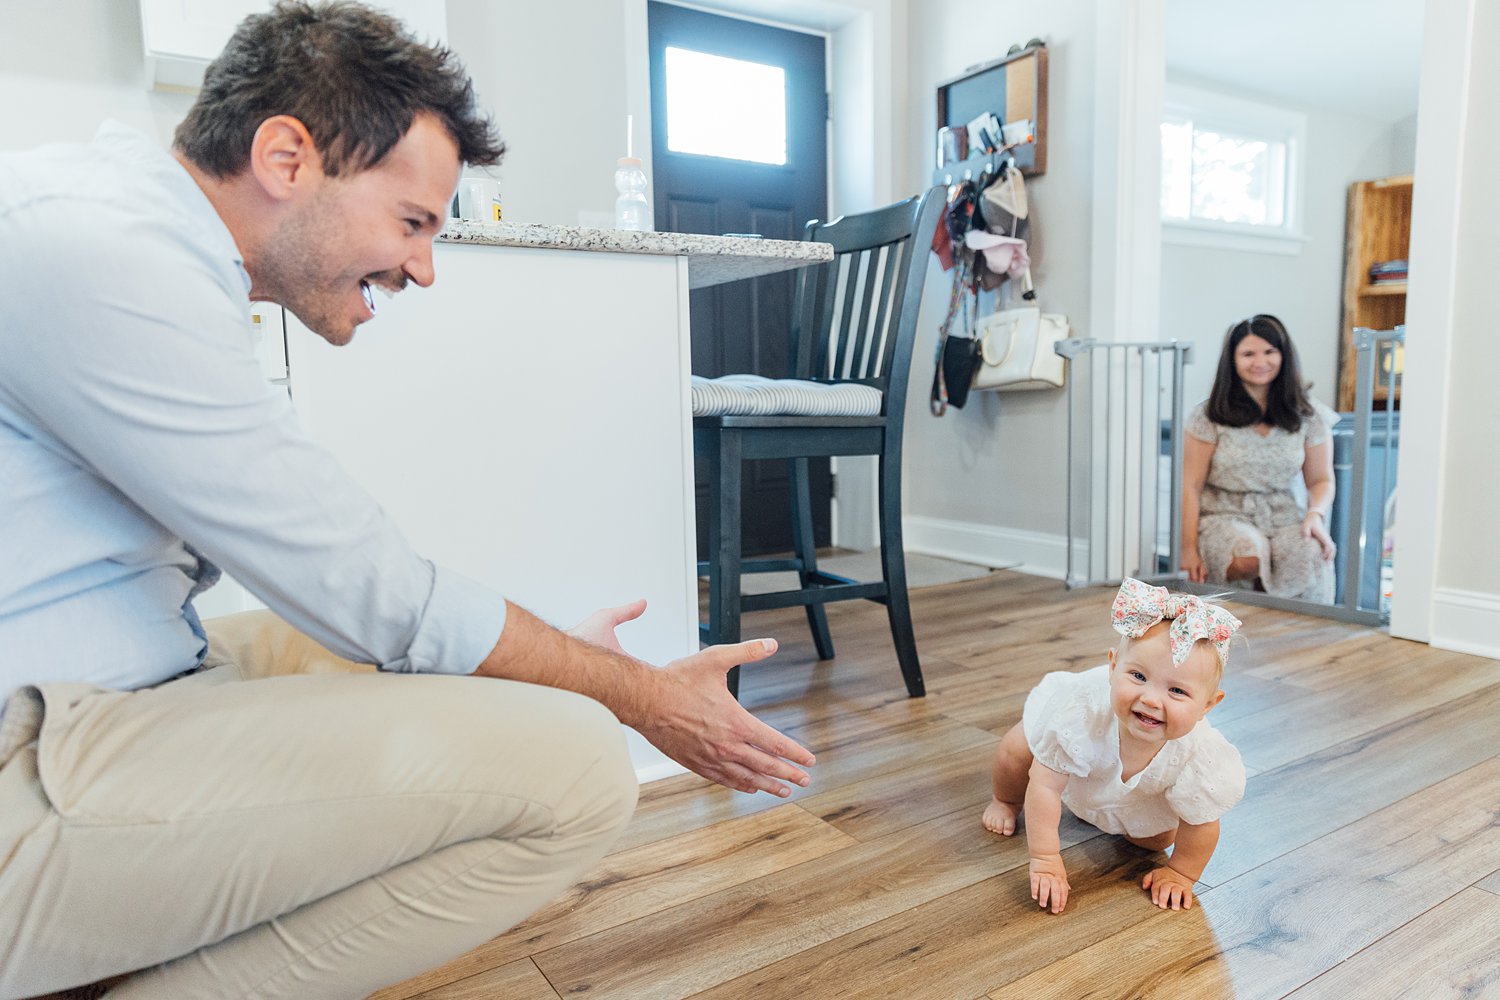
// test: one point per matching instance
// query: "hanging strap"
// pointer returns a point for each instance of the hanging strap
(961, 289)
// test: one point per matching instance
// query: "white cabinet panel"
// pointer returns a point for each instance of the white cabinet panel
(525, 421)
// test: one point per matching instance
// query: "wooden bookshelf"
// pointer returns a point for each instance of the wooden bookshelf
(1377, 229)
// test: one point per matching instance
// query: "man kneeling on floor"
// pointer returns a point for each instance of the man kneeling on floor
(238, 811)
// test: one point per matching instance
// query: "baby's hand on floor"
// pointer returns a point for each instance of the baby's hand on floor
(1169, 889)
(1000, 817)
(1049, 881)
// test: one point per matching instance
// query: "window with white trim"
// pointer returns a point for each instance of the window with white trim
(1231, 171)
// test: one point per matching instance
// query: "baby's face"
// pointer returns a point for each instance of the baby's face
(1156, 701)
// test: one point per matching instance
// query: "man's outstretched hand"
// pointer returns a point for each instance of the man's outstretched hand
(684, 708)
(697, 723)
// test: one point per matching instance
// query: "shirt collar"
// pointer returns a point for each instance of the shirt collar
(139, 148)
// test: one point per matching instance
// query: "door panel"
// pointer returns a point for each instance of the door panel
(744, 326)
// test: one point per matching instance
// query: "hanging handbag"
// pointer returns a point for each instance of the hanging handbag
(1016, 347)
(957, 356)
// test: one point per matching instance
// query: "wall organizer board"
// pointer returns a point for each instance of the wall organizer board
(1014, 89)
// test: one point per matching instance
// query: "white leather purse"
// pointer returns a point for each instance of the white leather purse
(1016, 347)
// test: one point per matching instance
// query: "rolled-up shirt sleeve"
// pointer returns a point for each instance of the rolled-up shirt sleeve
(146, 373)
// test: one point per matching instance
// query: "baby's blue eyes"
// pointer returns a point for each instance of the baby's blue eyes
(1136, 675)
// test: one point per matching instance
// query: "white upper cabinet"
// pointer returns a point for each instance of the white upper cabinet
(183, 36)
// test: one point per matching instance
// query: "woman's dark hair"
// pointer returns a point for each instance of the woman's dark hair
(352, 75)
(1229, 405)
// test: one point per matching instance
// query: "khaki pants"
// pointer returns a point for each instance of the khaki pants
(286, 824)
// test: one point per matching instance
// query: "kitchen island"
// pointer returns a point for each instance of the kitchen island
(526, 419)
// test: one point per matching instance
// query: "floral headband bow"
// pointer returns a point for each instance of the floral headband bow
(1138, 606)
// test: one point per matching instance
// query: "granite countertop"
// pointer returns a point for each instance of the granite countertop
(712, 260)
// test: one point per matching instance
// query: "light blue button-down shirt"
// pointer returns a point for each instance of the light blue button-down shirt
(137, 431)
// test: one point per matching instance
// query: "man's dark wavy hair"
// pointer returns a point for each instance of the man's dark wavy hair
(1287, 405)
(352, 75)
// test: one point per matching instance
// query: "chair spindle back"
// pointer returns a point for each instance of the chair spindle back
(855, 317)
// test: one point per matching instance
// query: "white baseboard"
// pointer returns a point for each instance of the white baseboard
(1466, 621)
(650, 763)
(655, 772)
(1003, 548)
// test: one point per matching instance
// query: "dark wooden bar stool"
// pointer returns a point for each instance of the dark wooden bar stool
(854, 327)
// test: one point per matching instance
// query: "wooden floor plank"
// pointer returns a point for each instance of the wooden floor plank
(632, 884)
(519, 980)
(968, 941)
(1291, 649)
(1146, 962)
(1491, 883)
(1295, 804)
(1449, 951)
(1321, 719)
(850, 747)
(879, 806)
(1280, 926)
(702, 943)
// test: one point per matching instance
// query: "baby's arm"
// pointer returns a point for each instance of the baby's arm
(1173, 885)
(1049, 879)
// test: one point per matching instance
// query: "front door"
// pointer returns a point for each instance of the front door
(739, 145)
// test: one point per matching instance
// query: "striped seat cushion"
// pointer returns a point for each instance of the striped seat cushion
(757, 396)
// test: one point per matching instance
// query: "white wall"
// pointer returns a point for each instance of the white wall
(1404, 145)
(66, 65)
(553, 73)
(996, 468)
(1466, 597)
(1205, 289)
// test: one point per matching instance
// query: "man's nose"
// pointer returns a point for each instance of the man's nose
(420, 269)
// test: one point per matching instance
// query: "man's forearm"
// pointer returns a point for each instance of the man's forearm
(532, 651)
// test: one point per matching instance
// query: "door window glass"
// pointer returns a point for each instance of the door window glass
(724, 107)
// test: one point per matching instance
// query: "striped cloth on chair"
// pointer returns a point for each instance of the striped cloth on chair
(758, 396)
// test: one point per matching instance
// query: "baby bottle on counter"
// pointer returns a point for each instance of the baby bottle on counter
(631, 209)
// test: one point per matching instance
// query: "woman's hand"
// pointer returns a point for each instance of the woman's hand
(1049, 881)
(1192, 565)
(1169, 889)
(1313, 527)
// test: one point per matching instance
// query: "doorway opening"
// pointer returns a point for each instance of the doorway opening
(739, 145)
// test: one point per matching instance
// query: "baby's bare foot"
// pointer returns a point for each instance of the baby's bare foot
(1000, 817)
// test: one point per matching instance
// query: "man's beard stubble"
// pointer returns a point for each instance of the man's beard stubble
(297, 269)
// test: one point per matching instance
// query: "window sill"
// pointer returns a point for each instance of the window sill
(1227, 238)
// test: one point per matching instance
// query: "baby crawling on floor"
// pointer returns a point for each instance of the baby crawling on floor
(1126, 747)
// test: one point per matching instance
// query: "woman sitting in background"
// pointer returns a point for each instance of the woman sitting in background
(1244, 446)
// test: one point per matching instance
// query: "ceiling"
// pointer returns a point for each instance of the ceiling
(1359, 57)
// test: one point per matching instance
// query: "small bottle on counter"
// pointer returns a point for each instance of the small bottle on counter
(631, 209)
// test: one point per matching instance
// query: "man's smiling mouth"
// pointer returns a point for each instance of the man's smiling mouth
(367, 288)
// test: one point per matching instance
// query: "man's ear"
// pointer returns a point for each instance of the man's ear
(283, 158)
